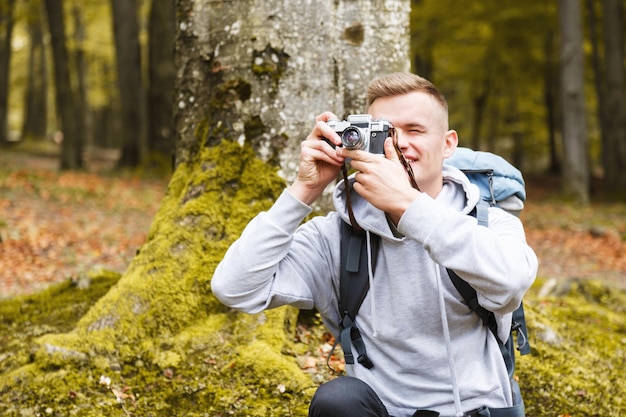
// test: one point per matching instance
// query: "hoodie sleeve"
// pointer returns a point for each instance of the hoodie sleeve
(276, 261)
(495, 260)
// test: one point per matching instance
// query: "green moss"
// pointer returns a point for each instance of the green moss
(579, 348)
(22, 321)
(55, 310)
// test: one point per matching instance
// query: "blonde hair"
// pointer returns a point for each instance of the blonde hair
(399, 83)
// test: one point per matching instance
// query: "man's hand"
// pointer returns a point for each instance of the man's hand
(382, 180)
(319, 162)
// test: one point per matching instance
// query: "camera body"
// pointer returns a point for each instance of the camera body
(361, 132)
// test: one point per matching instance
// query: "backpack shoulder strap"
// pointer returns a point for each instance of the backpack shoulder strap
(353, 287)
(471, 298)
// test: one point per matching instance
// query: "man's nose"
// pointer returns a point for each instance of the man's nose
(402, 140)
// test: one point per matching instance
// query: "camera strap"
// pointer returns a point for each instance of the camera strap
(355, 225)
(405, 163)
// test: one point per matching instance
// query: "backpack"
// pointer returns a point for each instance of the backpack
(501, 185)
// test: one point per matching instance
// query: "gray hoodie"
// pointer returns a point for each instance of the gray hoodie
(429, 350)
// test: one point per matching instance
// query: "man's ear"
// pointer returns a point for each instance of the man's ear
(451, 143)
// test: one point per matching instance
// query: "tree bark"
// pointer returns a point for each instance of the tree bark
(575, 174)
(598, 71)
(479, 105)
(82, 104)
(249, 85)
(550, 94)
(261, 79)
(35, 122)
(6, 32)
(614, 118)
(71, 157)
(130, 82)
(162, 74)
(105, 127)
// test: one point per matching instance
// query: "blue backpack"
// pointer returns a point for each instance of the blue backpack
(501, 185)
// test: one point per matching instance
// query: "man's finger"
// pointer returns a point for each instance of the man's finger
(391, 152)
(354, 154)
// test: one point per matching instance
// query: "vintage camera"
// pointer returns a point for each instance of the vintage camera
(361, 132)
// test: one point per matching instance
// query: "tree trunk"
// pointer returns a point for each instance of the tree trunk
(6, 31)
(249, 85)
(130, 82)
(71, 158)
(35, 122)
(283, 74)
(82, 104)
(575, 174)
(614, 144)
(481, 91)
(479, 105)
(598, 72)
(162, 77)
(105, 126)
(550, 94)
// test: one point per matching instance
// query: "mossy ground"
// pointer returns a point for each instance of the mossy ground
(578, 335)
(213, 368)
(201, 371)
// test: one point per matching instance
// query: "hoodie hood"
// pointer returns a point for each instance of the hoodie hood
(374, 220)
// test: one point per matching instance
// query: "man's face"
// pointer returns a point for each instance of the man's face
(423, 136)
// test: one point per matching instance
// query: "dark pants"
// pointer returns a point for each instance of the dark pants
(350, 397)
(346, 397)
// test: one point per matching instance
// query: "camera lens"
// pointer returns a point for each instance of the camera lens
(351, 138)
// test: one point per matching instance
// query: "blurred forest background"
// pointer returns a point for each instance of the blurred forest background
(89, 76)
(541, 82)
(124, 177)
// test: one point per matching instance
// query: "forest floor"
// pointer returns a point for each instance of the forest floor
(59, 225)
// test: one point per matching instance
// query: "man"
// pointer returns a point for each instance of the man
(430, 352)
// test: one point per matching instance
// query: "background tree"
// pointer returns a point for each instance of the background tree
(614, 99)
(576, 174)
(551, 100)
(71, 156)
(162, 74)
(6, 30)
(599, 84)
(80, 90)
(35, 122)
(105, 126)
(130, 82)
